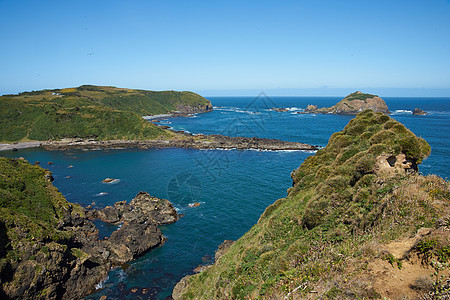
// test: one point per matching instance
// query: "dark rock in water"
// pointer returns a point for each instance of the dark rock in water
(279, 109)
(109, 180)
(419, 112)
(72, 272)
(139, 232)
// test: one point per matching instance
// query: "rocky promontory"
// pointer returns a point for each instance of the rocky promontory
(185, 140)
(352, 105)
(50, 248)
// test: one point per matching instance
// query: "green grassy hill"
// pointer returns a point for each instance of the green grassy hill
(355, 207)
(90, 112)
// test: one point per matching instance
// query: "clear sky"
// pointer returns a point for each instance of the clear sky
(320, 47)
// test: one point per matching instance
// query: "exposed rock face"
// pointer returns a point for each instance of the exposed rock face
(352, 105)
(419, 112)
(194, 109)
(392, 165)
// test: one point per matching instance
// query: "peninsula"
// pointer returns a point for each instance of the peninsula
(103, 117)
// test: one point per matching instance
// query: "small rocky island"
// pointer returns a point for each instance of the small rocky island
(50, 248)
(352, 105)
(419, 112)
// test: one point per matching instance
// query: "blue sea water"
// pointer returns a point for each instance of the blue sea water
(233, 187)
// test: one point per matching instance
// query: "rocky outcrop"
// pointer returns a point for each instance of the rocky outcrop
(139, 221)
(352, 105)
(419, 112)
(71, 269)
(194, 109)
(279, 109)
(185, 140)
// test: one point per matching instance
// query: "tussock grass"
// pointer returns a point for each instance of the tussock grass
(322, 236)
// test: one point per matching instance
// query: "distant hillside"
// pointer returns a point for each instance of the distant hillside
(90, 112)
(353, 104)
(358, 223)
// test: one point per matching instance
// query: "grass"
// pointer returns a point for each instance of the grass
(322, 235)
(103, 113)
(359, 96)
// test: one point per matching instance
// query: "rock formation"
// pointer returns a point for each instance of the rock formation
(352, 105)
(49, 248)
(419, 112)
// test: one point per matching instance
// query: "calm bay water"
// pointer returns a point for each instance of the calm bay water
(233, 187)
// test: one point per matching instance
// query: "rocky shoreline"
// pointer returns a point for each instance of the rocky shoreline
(188, 141)
(74, 268)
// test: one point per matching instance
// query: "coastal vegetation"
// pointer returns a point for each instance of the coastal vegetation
(102, 113)
(359, 223)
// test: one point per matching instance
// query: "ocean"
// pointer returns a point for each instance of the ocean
(233, 187)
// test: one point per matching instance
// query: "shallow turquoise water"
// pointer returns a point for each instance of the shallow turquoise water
(233, 187)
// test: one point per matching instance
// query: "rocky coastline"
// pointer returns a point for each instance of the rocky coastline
(74, 268)
(187, 141)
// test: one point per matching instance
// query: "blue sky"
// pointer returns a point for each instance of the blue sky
(316, 47)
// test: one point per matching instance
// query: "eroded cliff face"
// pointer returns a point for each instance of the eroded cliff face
(50, 248)
(358, 222)
(353, 104)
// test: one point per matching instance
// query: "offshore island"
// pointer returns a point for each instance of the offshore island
(358, 222)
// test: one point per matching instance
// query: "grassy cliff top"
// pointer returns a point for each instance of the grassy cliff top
(90, 112)
(348, 204)
(359, 96)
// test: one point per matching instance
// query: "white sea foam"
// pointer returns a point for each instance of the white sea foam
(402, 112)
(101, 194)
(101, 283)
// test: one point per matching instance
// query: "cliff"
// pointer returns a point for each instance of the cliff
(98, 112)
(353, 104)
(49, 248)
(359, 222)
